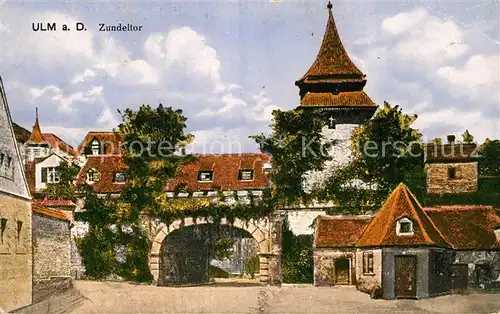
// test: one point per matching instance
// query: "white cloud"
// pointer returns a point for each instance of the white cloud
(49, 89)
(64, 101)
(263, 109)
(479, 79)
(81, 77)
(108, 119)
(425, 38)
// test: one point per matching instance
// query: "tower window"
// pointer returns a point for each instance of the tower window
(19, 228)
(93, 176)
(404, 227)
(205, 176)
(452, 173)
(96, 147)
(331, 123)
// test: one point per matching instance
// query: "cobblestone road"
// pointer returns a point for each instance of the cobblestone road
(106, 297)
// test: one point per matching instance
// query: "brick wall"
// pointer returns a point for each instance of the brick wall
(15, 253)
(51, 247)
(465, 181)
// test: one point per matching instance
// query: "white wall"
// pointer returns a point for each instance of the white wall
(52, 161)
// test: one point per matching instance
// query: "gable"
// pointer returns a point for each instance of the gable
(12, 178)
(52, 160)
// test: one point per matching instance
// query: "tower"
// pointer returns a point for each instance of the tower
(333, 88)
(36, 146)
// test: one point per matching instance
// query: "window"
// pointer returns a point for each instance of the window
(19, 228)
(119, 177)
(440, 264)
(93, 175)
(452, 173)
(96, 147)
(331, 123)
(404, 227)
(3, 225)
(245, 174)
(50, 175)
(367, 262)
(205, 176)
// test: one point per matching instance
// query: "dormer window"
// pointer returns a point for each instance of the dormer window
(205, 176)
(245, 175)
(119, 177)
(96, 147)
(404, 227)
(93, 175)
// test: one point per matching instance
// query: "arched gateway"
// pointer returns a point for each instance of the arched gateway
(266, 233)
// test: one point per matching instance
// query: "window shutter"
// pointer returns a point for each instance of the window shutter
(44, 175)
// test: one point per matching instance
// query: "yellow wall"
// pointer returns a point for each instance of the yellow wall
(15, 254)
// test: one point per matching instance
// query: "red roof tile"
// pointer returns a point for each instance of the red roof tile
(58, 144)
(225, 169)
(332, 62)
(57, 203)
(110, 140)
(382, 229)
(42, 210)
(341, 231)
(344, 99)
(467, 227)
(107, 166)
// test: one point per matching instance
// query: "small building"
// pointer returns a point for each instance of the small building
(104, 173)
(406, 251)
(51, 251)
(101, 143)
(15, 219)
(451, 168)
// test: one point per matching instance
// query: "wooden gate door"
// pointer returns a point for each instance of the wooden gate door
(342, 271)
(406, 276)
(459, 277)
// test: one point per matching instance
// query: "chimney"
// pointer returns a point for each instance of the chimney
(451, 139)
(497, 233)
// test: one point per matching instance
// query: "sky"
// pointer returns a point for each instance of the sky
(229, 64)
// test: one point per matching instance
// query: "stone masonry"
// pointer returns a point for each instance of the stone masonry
(464, 181)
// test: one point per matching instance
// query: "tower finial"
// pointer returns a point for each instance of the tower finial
(329, 6)
(36, 110)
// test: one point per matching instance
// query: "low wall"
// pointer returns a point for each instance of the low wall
(45, 288)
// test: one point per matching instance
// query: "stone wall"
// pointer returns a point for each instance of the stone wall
(367, 282)
(45, 288)
(51, 247)
(474, 258)
(465, 181)
(324, 265)
(15, 253)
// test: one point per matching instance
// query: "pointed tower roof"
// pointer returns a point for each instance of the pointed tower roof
(332, 63)
(401, 203)
(36, 136)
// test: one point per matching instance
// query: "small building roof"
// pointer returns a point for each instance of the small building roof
(344, 99)
(48, 212)
(58, 144)
(107, 166)
(225, 170)
(382, 229)
(467, 227)
(450, 152)
(339, 231)
(110, 140)
(36, 136)
(57, 203)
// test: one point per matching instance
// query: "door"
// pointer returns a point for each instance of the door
(342, 271)
(459, 277)
(406, 279)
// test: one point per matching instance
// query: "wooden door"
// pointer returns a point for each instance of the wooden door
(342, 271)
(459, 277)
(406, 276)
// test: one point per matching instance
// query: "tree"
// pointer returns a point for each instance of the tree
(64, 189)
(489, 160)
(467, 137)
(436, 140)
(387, 150)
(296, 145)
(297, 256)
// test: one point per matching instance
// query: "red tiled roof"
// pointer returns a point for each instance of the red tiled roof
(107, 166)
(344, 99)
(450, 152)
(225, 169)
(42, 210)
(339, 231)
(332, 62)
(110, 140)
(467, 227)
(56, 143)
(57, 203)
(382, 229)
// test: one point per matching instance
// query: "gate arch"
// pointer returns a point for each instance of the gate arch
(258, 232)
